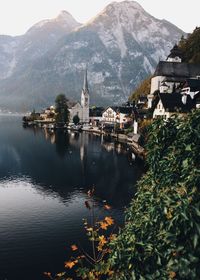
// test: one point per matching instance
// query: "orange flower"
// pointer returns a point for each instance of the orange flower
(109, 221)
(74, 247)
(103, 225)
(70, 264)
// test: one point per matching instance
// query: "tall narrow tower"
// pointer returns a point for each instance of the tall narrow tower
(85, 100)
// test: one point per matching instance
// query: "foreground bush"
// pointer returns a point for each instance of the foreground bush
(161, 237)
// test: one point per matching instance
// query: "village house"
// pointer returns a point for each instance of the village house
(124, 116)
(167, 105)
(109, 115)
(117, 115)
(192, 88)
(171, 75)
(175, 86)
(48, 115)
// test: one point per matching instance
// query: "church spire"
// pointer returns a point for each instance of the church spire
(85, 84)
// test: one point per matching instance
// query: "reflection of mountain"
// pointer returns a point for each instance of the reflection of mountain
(71, 163)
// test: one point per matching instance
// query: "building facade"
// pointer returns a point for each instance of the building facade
(81, 109)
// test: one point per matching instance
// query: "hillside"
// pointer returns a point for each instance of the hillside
(142, 90)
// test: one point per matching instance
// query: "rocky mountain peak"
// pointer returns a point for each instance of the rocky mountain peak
(67, 19)
(64, 20)
(120, 11)
(124, 5)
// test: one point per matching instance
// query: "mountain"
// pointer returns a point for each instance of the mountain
(120, 47)
(17, 52)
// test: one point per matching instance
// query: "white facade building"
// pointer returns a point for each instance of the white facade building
(117, 115)
(82, 109)
(109, 115)
(170, 75)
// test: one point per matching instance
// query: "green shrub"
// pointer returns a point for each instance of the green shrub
(161, 237)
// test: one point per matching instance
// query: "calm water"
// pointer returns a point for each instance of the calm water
(44, 179)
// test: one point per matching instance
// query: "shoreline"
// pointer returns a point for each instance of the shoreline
(138, 150)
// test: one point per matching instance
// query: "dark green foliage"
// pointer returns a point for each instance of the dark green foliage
(161, 237)
(191, 47)
(62, 113)
(76, 119)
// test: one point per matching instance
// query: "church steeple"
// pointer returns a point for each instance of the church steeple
(85, 99)
(85, 83)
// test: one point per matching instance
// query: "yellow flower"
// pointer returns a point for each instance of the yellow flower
(102, 240)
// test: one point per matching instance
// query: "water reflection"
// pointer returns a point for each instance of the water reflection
(87, 162)
(44, 179)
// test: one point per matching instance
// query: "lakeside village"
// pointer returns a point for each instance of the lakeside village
(175, 89)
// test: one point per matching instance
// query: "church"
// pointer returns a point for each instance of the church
(171, 75)
(81, 109)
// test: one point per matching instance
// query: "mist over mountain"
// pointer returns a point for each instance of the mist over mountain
(120, 47)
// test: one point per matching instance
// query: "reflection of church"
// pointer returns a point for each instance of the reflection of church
(81, 109)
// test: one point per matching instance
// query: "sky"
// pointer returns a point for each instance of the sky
(17, 16)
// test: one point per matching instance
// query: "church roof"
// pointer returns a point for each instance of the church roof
(72, 104)
(174, 69)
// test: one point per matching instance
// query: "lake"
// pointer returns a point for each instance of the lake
(44, 180)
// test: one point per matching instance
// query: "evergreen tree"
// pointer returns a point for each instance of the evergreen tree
(191, 47)
(76, 119)
(62, 112)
